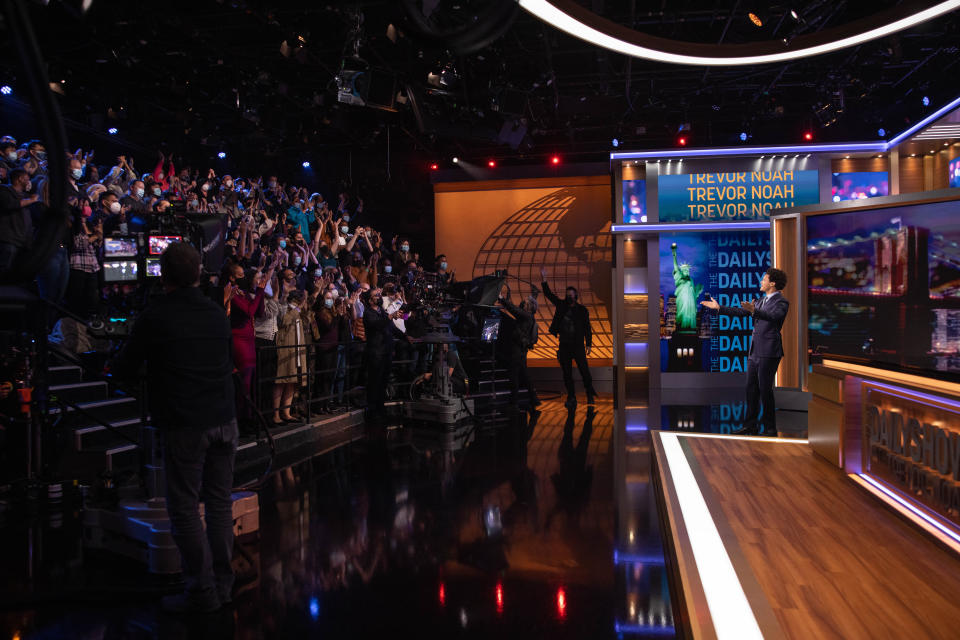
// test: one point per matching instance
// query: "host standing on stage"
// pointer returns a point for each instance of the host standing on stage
(766, 348)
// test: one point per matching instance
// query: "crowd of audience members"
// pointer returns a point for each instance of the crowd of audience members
(297, 275)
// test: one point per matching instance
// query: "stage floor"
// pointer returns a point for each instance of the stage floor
(766, 539)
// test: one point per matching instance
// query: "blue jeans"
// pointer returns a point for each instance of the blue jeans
(199, 463)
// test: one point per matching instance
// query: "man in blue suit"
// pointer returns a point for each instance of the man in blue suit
(766, 348)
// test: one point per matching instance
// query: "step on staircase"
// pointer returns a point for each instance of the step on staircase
(88, 447)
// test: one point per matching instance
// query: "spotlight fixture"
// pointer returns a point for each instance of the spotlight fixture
(555, 160)
(491, 163)
(682, 141)
(6, 89)
(456, 160)
(615, 143)
(112, 131)
(881, 132)
(926, 101)
(743, 136)
(755, 19)
(222, 155)
(306, 164)
(808, 136)
(794, 15)
(434, 166)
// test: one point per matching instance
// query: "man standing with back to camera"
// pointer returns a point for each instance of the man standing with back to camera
(185, 339)
(766, 348)
(571, 325)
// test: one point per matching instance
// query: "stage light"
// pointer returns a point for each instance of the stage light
(434, 166)
(555, 160)
(755, 19)
(306, 164)
(926, 101)
(743, 136)
(222, 155)
(615, 143)
(561, 603)
(881, 132)
(314, 608)
(499, 598)
(113, 131)
(491, 163)
(6, 89)
(682, 141)
(591, 28)
(442, 595)
(794, 15)
(808, 136)
(456, 160)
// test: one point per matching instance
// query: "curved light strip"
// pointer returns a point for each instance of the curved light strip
(546, 11)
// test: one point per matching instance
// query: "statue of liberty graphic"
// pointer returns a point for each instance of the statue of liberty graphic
(686, 293)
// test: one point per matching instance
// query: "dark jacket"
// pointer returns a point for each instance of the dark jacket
(581, 317)
(381, 332)
(15, 225)
(185, 339)
(516, 333)
(767, 322)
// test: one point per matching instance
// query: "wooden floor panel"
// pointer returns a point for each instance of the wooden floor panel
(831, 560)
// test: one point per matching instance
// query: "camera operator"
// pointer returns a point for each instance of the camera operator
(381, 334)
(185, 338)
(516, 330)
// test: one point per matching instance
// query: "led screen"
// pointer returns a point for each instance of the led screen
(634, 201)
(954, 167)
(883, 286)
(729, 266)
(859, 185)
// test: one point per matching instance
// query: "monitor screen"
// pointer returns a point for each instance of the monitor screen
(125, 247)
(859, 185)
(158, 244)
(153, 267)
(491, 329)
(119, 270)
(954, 167)
(883, 287)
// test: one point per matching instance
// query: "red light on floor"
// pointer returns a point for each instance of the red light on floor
(808, 136)
(443, 595)
(499, 598)
(491, 163)
(555, 160)
(561, 603)
(682, 142)
(434, 166)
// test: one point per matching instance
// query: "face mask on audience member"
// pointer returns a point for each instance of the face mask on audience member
(297, 260)
(282, 244)
(41, 155)
(443, 265)
(87, 211)
(123, 227)
(388, 268)
(12, 156)
(115, 207)
(205, 187)
(194, 203)
(318, 273)
(76, 173)
(405, 248)
(228, 183)
(344, 228)
(157, 191)
(328, 303)
(139, 193)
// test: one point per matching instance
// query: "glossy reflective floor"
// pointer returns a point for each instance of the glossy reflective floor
(535, 526)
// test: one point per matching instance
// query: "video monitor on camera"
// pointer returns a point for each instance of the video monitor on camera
(491, 329)
(120, 271)
(159, 244)
(153, 267)
(120, 247)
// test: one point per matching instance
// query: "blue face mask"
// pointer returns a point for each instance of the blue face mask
(405, 248)
(328, 302)
(282, 244)
(443, 265)
(346, 218)
(157, 191)
(76, 173)
(139, 193)
(194, 203)
(296, 260)
(388, 268)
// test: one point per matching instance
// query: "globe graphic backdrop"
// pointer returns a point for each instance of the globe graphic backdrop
(568, 233)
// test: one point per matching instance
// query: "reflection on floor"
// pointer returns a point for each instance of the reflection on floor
(510, 526)
(505, 527)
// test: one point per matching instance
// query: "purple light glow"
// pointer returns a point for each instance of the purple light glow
(688, 226)
(909, 504)
(937, 402)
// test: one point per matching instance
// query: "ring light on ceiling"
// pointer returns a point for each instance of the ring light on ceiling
(568, 16)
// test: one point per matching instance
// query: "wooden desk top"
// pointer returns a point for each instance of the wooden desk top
(817, 556)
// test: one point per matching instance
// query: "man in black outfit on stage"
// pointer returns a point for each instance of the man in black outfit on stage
(381, 334)
(517, 331)
(766, 349)
(571, 325)
(185, 340)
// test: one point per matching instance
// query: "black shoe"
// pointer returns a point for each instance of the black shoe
(571, 401)
(183, 603)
